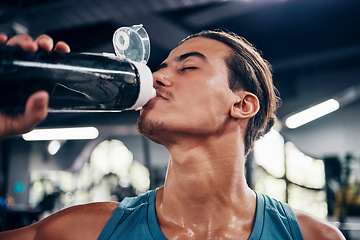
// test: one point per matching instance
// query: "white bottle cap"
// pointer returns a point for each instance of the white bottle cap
(147, 91)
(132, 43)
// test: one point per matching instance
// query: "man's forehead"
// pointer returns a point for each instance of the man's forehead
(204, 46)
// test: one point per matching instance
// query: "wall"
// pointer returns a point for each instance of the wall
(335, 134)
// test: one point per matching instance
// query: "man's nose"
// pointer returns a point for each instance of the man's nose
(161, 79)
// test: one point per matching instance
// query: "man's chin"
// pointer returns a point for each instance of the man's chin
(148, 128)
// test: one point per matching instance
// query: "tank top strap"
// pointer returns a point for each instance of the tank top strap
(294, 225)
(114, 219)
(259, 217)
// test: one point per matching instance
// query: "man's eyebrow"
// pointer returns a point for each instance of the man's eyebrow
(190, 54)
(183, 57)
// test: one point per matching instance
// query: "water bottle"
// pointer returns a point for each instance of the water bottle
(76, 81)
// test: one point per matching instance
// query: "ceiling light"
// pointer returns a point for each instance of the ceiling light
(61, 134)
(312, 113)
(54, 146)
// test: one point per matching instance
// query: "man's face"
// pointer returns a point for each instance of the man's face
(193, 95)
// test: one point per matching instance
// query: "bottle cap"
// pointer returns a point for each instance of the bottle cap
(147, 91)
(132, 43)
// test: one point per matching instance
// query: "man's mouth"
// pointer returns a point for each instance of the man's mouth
(162, 94)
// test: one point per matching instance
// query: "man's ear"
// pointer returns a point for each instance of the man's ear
(246, 106)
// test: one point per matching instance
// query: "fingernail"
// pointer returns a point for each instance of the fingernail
(40, 103)
(48, 44)
(48, 41)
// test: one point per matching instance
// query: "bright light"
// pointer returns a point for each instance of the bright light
(61, 134)
(312, 113)
(53, 147)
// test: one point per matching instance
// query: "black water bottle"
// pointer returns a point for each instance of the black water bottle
(75, 81)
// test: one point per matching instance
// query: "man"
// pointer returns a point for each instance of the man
(215, 97)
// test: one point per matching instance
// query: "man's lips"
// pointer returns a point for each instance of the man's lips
(162, 94)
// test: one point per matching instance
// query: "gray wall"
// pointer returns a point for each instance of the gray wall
(335, 134)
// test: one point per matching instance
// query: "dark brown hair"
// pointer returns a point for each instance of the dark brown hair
(247, 70)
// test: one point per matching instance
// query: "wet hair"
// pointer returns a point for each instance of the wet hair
(248, 71)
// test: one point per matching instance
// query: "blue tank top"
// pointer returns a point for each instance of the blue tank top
(135, 218)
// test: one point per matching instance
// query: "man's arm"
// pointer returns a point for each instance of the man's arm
(77, 222)
(36, 106)
(315, 228)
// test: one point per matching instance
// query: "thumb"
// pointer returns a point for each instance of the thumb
(35, 110)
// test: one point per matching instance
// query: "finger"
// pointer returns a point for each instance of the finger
(24, 41)
(62, 47)
(3, 38)
(35, 111)
(36, 107)
(45, 42)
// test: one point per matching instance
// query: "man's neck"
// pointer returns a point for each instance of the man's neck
(205, 189)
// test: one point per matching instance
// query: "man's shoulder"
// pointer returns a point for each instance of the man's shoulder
(315, 228)
(79, 221)
(94, 208)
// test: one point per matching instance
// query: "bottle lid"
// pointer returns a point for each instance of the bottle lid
(132, 43)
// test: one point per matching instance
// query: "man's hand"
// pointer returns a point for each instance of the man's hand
(35, 112)
(28, 44)
(36, 106)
